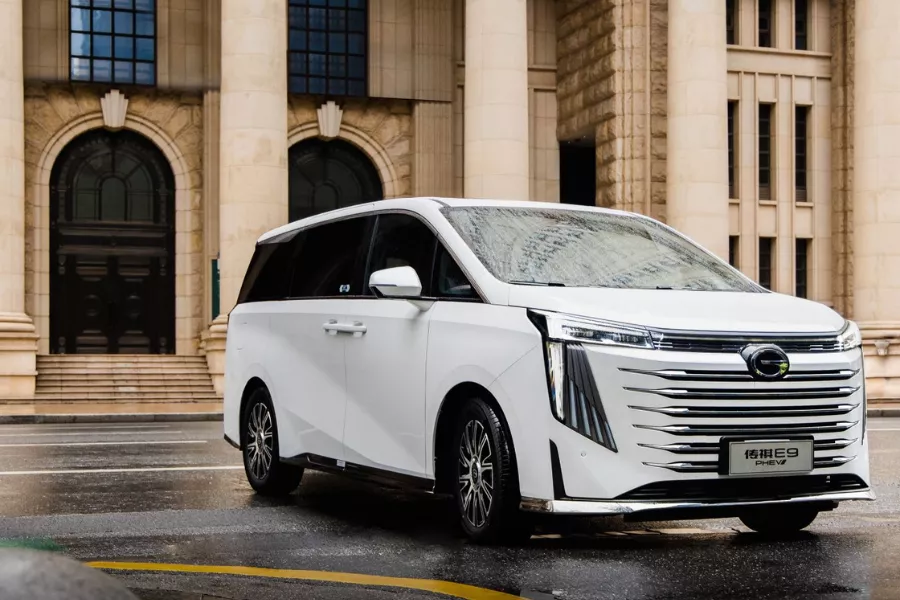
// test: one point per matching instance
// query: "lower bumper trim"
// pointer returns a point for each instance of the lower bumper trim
(613, 507)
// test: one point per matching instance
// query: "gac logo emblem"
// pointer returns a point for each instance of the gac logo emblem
(768, 362)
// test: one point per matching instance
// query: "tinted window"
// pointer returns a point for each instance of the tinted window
(269, 274)
(330, 260)
(449, 279)
(403, 241)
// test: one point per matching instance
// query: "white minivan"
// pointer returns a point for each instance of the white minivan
(531, 358)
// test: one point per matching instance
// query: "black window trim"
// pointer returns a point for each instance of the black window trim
(368, 242)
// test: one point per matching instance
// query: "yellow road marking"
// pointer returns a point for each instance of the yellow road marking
(457, 590)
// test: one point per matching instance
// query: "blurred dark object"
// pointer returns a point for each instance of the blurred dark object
(32, 575)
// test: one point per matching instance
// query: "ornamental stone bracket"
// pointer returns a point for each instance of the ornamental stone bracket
(330, 115)
(115, 109)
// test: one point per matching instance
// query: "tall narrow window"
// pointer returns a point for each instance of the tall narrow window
(732, 158)
(766, 246)
(734, 257)
(801, 154)
(730, 20)
(801, 268)
(327, 47)
(113, 41)
(766, 23)
(801, 24)
(765, 151)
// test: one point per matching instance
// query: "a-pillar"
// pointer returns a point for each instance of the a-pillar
(18, 342)
(876, 194)
(496, 152)
(697, 138)
(253, 186)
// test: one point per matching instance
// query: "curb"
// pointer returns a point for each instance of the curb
(109, 418)
(883, 412)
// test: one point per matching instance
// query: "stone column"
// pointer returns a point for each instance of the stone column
(253, 185)
(697, 158)
(18, 342)
(876, 193)
(496, 163)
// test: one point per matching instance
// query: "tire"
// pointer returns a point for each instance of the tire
(270, 477)
(485, 485)
(784, 520)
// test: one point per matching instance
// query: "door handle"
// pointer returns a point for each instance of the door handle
(333, 328)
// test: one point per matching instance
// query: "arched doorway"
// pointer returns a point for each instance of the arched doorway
(325, 175)
(112, 247)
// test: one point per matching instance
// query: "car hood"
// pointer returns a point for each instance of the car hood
(685, 310)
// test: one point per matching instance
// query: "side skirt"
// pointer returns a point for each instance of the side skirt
(362, 473)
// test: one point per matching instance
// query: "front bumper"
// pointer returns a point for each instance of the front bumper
(667, 509)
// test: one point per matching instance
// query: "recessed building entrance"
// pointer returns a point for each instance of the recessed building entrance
(112, 247)
(325, 175)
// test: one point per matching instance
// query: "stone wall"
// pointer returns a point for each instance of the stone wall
(612, 88)
(57, 114)
(842, 40)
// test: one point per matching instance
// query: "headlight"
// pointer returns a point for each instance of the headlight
(565, 328)
(850, 337)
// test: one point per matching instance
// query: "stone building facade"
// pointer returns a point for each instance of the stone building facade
(146, 144)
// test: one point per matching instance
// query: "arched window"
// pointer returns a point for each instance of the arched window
(113, 41)
(327, 43)
(329, 175)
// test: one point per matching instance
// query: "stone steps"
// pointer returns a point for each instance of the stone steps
(122, 379)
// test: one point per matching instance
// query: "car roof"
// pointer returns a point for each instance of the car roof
(423, 202)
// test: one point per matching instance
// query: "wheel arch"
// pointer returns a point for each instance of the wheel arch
(450, 408)
(251, 386)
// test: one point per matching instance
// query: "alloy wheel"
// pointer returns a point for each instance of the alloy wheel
(260, 443)
(476, 474)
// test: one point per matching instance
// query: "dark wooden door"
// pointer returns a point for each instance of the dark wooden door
(112, 281)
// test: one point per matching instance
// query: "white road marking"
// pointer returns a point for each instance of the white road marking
(70, 444)
(167, 432)
(123, 470)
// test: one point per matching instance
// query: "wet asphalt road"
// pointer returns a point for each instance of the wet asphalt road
(175, 493)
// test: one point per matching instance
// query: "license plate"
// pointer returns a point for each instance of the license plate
(764, 457)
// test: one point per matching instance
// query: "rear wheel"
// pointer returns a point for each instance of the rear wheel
(782, 520)
(267, 474)
(485, 487)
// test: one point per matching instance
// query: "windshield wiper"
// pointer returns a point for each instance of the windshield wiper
(541, 283)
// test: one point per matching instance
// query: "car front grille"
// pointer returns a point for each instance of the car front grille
(687, 342)
(686, 412)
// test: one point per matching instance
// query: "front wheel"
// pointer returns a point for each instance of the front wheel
(486, 487)
(267, 474)
(782, 520)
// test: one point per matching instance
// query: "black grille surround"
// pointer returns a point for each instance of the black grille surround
(678, 341)
(745, 489)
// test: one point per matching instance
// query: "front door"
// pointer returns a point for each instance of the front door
(112, 274)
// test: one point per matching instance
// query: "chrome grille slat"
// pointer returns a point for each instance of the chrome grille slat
(744, 376)
(739, 412)
(713, 447)
(726, 343)
(712, 467)
(749, 393)
(752, 429)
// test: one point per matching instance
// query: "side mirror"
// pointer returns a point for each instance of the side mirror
(398, 282)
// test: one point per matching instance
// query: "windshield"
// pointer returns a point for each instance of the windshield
(576, 248)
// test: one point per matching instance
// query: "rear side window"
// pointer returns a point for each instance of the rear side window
(330, 259)
(269, 274)
(403, 241)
